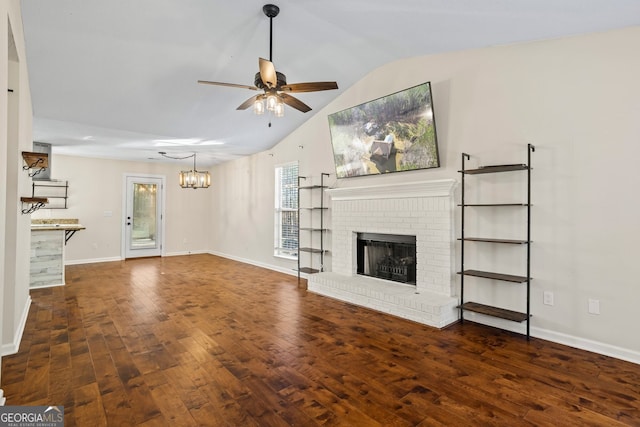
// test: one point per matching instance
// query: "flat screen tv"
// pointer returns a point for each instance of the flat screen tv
(394, 133)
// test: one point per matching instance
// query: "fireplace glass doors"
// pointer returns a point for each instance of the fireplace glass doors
(387, 256)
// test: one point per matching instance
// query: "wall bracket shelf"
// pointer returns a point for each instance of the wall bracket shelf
(34, 203)
(38, 162)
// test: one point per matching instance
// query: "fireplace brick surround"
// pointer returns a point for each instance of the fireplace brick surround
(424, 209)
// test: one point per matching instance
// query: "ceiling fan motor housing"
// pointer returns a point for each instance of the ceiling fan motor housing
(281, 78)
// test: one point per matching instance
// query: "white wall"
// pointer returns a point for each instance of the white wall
(95, 189)
(576, 99)
(243, 199)
(15, 137)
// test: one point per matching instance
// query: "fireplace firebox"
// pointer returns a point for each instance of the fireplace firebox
(387, 256)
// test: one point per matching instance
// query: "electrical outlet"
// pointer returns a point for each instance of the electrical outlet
(594, 306)
(547, 298)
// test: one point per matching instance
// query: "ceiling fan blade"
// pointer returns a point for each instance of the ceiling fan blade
(206, 82)
(294, 102)
(267, 73)
(309, 87)
(249, 102)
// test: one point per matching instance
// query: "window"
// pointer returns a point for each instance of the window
(286, 212)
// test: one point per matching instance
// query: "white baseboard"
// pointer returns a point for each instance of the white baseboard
(46, 286)
(182, 253)
(112, 259)
(588, 345)
(2, 398)
(12, 348)
(559, 337)
(91, 260)
(289, 271)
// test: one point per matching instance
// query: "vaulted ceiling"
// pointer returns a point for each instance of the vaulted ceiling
(118, 79)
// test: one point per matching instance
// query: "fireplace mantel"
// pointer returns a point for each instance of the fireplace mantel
(432, 188)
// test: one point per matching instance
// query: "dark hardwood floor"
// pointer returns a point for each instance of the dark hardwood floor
(201, 340)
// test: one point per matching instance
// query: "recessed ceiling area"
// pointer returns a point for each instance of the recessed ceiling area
(118, 79)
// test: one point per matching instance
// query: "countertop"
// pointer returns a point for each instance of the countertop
(56, 224)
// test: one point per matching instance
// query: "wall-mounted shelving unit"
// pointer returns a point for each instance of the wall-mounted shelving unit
(57, 192)
(312, 224)
(485, 309)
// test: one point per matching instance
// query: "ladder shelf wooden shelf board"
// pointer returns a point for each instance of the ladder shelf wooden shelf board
(310, 187)
(482, 239)
(495, 169)
(313, 250)
(492, 204)
(312, 224)
(502, 313)
(494, 276)
(518, 280)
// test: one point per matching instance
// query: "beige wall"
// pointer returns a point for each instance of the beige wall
(95, 190)
(577, 99)
(15, 137)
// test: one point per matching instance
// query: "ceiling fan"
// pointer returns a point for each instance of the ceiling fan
(273, 83)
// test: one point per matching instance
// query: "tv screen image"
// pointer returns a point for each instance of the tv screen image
(394, 133)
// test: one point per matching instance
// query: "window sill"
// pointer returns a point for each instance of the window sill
(289, 257)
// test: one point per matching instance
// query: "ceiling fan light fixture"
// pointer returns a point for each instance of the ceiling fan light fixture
(258, 107)
(279, 110)
(276, 90)
(272, 102)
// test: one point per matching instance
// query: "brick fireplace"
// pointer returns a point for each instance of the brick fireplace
(422, 209)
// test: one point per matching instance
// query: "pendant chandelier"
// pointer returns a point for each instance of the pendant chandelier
(192, 178)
